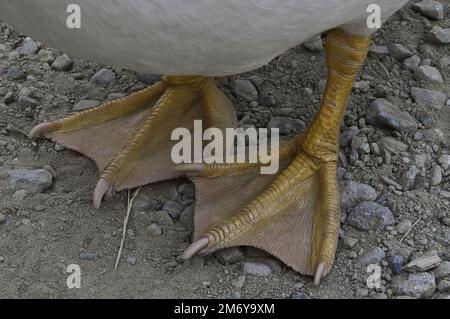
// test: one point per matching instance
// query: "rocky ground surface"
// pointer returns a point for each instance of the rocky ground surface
(394, 176)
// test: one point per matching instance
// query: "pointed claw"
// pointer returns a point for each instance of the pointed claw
(40, 129)
(190, 169)
(195, 247)
(320, 270)
(103, 186)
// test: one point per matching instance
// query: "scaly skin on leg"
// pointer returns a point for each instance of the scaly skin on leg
(287, 150)
(316, 159)
(128, 144)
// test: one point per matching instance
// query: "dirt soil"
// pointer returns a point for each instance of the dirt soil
(44, 232)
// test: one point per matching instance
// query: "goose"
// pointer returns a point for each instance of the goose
(293, 214)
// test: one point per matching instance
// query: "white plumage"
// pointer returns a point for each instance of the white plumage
(202, 37)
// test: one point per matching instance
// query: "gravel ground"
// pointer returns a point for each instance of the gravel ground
(394, 173)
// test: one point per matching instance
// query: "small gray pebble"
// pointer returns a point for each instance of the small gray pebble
(87, 256)
(131, 260)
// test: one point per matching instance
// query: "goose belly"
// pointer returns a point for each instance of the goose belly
(204, 37)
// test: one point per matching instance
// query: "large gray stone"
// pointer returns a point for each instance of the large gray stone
(370, 216)
(88, 256)
(353, 193)
(26, 101)
(373, 256)
(397, 258)
(428, 74)
(404, 226)
(187, 216)
(390, 144)
(443, 270)
(431, 9)
(408, 178)
(173, 208)
(440, 35)
(399, 52)
(30, 179)
(46, 56)
(9, 98)
(257, 269)
(417, 285)
(429, 98)
(411, 63)
(360, 144)
(425, 262)
(62, 63)
(104, 77)
(28, 47)
(383, 113)
(244, 89)
(15, 73)
(444, 286)
(230, 255)
(444, 159)
(436, 175)
(379, 49)
(396, 263)
(347, 135)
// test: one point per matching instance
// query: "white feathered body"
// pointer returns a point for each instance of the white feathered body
(202, 37)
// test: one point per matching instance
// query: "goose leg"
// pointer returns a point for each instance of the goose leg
(130, 139)
(295, 214)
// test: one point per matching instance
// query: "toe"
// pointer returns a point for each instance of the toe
(103, 186)
(320, 273)
(40, 129)
(195, 248)
(191, 169)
